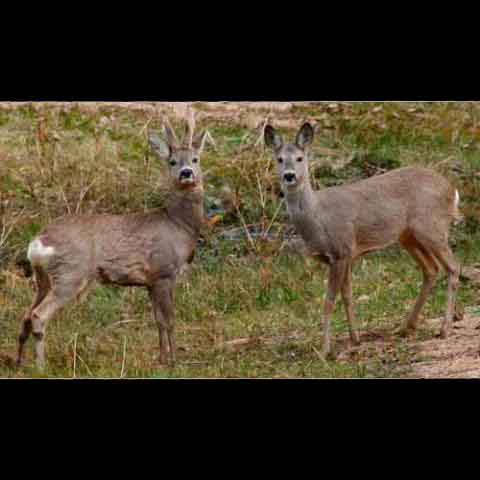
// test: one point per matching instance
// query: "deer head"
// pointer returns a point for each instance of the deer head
(291, 158)
(183, 158)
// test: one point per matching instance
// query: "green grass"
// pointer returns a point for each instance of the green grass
(244, 311)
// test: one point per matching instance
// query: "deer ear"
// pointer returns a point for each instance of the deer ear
(305, 135)
(198, 143)
(272, 138)
(159, 146)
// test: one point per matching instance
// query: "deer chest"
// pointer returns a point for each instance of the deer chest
(326, 244)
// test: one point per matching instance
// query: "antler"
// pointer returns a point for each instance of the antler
(170, 134)
(190, 128)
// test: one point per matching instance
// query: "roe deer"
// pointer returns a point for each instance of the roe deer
(140, 250)
(412, 206)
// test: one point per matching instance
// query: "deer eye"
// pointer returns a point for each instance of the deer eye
(299, 159)
(173, 163)
(280, 160)
(195, 160)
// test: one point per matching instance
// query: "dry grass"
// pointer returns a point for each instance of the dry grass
(248, 307)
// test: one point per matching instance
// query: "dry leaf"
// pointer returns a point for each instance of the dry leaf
(214, 220)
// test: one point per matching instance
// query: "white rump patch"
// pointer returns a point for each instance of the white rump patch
(457, 199)
(38, 253)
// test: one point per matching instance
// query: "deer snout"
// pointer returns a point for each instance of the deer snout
(289, 177)
(186, 174)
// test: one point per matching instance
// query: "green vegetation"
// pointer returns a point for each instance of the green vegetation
(247, 308)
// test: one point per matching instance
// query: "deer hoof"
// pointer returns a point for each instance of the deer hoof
(444, 334)
(355, 340)
(330, 356)
(407, 332)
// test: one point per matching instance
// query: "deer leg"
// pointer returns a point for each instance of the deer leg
(172, 339)
(335, 280)
(157, 295)
(430, 270)
(451, 266)
(348, 303)
(39, 319)
(43, 287)
(56, 299)
(161, 295)
(25, 332)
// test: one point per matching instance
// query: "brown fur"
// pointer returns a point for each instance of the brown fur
(142, 250)
(412, 206)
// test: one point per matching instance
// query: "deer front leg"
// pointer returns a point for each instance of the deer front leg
(335, 280)
(348, 304)
(161, 295)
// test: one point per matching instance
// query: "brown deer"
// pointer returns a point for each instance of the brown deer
(139, 250)
(412, 206)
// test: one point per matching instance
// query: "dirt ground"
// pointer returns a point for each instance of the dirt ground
(456, 357)
(431, 358)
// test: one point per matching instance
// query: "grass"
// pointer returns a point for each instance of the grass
(245, 309)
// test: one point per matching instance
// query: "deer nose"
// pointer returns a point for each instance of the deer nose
(289, 177)
(186, 173)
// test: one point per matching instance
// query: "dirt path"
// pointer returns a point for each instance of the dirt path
(456, 357)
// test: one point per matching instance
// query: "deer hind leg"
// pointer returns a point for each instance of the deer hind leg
(58, 297)
(452, 267)
(430, 269)
(43, 286)
(335, 281)
(162, 298)
(348, 304)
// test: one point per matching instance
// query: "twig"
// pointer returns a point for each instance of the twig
(194, 363)
(86, 366)
(260, 191)
(262, 132)
(124, 358)
(211, 140)
(273, 218)
(259, 139)
(82, 195)
(75, 355)
(7, 231)
(66, 200)
(246, 228)
(321, 357)
(122, 322)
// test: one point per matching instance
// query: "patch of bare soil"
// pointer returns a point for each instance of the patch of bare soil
(456, 357)
(248, 114)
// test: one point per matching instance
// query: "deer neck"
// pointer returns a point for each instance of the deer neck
(300, 202)
(185, 208)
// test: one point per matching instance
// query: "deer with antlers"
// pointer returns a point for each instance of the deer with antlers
(137, 250)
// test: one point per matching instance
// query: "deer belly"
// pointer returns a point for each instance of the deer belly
(141, 274)
(126, 275)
